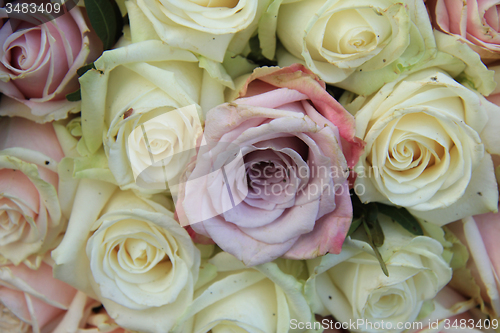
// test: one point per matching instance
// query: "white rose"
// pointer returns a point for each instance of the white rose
(235, 298)
(340, 39)
(145, 87)
(130, 254)
(428, 145)
(352, 286)
(206, 27)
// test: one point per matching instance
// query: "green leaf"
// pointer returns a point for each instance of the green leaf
(354, 225)
(372, 214)
(372, 223)
(82, 70)
(377, 234)
(403, 217)
(74, 96)
(377, 253)
(105, 18)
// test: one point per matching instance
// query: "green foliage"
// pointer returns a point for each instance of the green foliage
(106, 19)
(366, 215)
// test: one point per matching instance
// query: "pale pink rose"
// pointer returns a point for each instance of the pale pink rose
(9, 323)
(86, 315)
(34, 296)
(481, 235)
(494, 98)
(272, 179)
(475, 22)
(30, 213)
(38, 64)
(450, 311)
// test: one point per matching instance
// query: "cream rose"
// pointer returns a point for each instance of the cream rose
(145, 98)
(235, 298)
(130, 254)
(30, 211)
(206, 27)
(429, 141)
(352, 286)
(339, 39)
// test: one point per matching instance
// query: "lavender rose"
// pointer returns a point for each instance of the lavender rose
(289, 194)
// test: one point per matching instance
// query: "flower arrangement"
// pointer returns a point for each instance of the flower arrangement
(262, 166)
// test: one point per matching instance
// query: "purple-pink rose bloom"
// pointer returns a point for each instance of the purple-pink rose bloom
(289, 195)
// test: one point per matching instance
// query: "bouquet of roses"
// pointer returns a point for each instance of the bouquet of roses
(262, 166)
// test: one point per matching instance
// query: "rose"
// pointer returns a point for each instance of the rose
(32, 296)
(494, 97)
(474, 22)
(264, 298)
(451, 312)
(429, 141)
(82, 317)
(204, 27)
(350, 44)
(351, 285)
(130, 254)
(480, 234)
(296, 143)
(10, 323)
(48, 54)
(146, 87)
(30, 212)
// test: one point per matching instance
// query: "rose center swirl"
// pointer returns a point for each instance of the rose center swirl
(277, 173)
(12, 222)
(137, 255)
